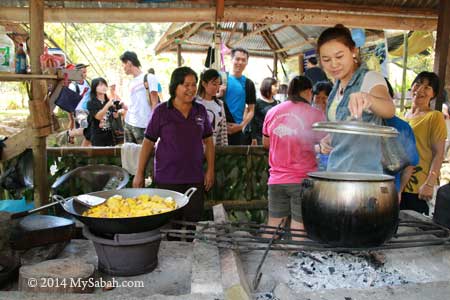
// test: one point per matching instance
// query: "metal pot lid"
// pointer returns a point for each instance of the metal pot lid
(350, 176)
(356, 127)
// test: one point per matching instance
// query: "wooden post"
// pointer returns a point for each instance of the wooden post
(179, 58)
(442, 53)
(275, 65)
(217, 43)
(301, 67)
(41, 190)
(405, 65)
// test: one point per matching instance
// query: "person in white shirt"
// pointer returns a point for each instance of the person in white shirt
(78, 121)
(139, 105)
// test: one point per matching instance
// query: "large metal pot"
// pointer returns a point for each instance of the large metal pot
(350, 209)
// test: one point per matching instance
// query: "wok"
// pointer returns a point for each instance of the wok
(126, 225)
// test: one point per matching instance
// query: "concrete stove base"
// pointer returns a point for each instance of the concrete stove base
(174, 278)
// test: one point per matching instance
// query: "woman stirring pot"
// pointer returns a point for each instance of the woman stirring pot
(357, 94)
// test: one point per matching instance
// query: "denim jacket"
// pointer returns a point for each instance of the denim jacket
(351, 152)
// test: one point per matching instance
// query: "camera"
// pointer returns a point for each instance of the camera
(117, 104)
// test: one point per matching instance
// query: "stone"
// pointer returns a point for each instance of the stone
(57, 276)
(36, 255)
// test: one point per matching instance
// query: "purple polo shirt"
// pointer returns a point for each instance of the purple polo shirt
(179, 153)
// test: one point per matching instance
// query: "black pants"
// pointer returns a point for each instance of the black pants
(239, 138)
(412, 202)
(193, 211)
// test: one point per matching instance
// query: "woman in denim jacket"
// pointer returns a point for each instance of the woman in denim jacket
(357, 94)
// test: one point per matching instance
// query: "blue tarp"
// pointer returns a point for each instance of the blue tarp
(14, 206)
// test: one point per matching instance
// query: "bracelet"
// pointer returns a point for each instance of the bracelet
(428, 184)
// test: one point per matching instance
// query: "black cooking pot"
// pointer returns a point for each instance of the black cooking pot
(127, 225)
(350, 209)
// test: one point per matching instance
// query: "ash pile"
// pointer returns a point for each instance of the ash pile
(332, 270)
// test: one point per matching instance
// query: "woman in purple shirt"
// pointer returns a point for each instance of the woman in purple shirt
(177, 131)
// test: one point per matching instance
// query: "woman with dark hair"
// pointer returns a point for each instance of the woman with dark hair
(357, 94)
(207, 90)
(101, 114)
(268, 89)
(288, 134)
(321, 91)
(430, 132)
(181, 127)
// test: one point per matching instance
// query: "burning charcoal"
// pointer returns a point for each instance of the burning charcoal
(331, 270)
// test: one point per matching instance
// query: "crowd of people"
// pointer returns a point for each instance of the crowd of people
(217, 108)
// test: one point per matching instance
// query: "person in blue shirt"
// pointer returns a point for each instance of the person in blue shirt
(408, 142)
(240, 99)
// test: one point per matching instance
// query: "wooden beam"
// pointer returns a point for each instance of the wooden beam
(323, 18)
(251, 33)
(296, 45)
(220, 7)
(275, 66)
(303, 35)
(41, 188)
(113, 15)
(17, 144)
(234, 281)
(179, 58)
(301, 66)
(442, 51)
(227, 42)
(231, 14)
(337, 6)
(164, 38)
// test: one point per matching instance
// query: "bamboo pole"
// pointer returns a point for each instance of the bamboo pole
(115, 151)
(179, 58)
(36, 13)
(405, 65)
(301, 66)
(275, 65)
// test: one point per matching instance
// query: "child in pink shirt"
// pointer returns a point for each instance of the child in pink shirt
(288, 134)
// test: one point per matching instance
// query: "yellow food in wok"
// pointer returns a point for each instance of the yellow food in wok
(140, 206)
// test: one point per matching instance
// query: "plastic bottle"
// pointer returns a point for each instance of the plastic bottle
(21, 60)
(6, 52)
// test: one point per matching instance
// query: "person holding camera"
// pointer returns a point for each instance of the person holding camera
(102, 111)
(119, 114)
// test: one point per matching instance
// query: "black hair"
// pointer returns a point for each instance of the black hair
(312, 60)
(177, 78)
(239, 49)
(206, 76)
(322, 86)
(266, 87)
(95, 82)
(151, 71)
(131, 57)
(390, 89)
(297, 85)
(432, 78)
(339, 33)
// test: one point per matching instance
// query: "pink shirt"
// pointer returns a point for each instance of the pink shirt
(289, 128)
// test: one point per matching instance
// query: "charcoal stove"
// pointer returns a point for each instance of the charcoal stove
(126, 254)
